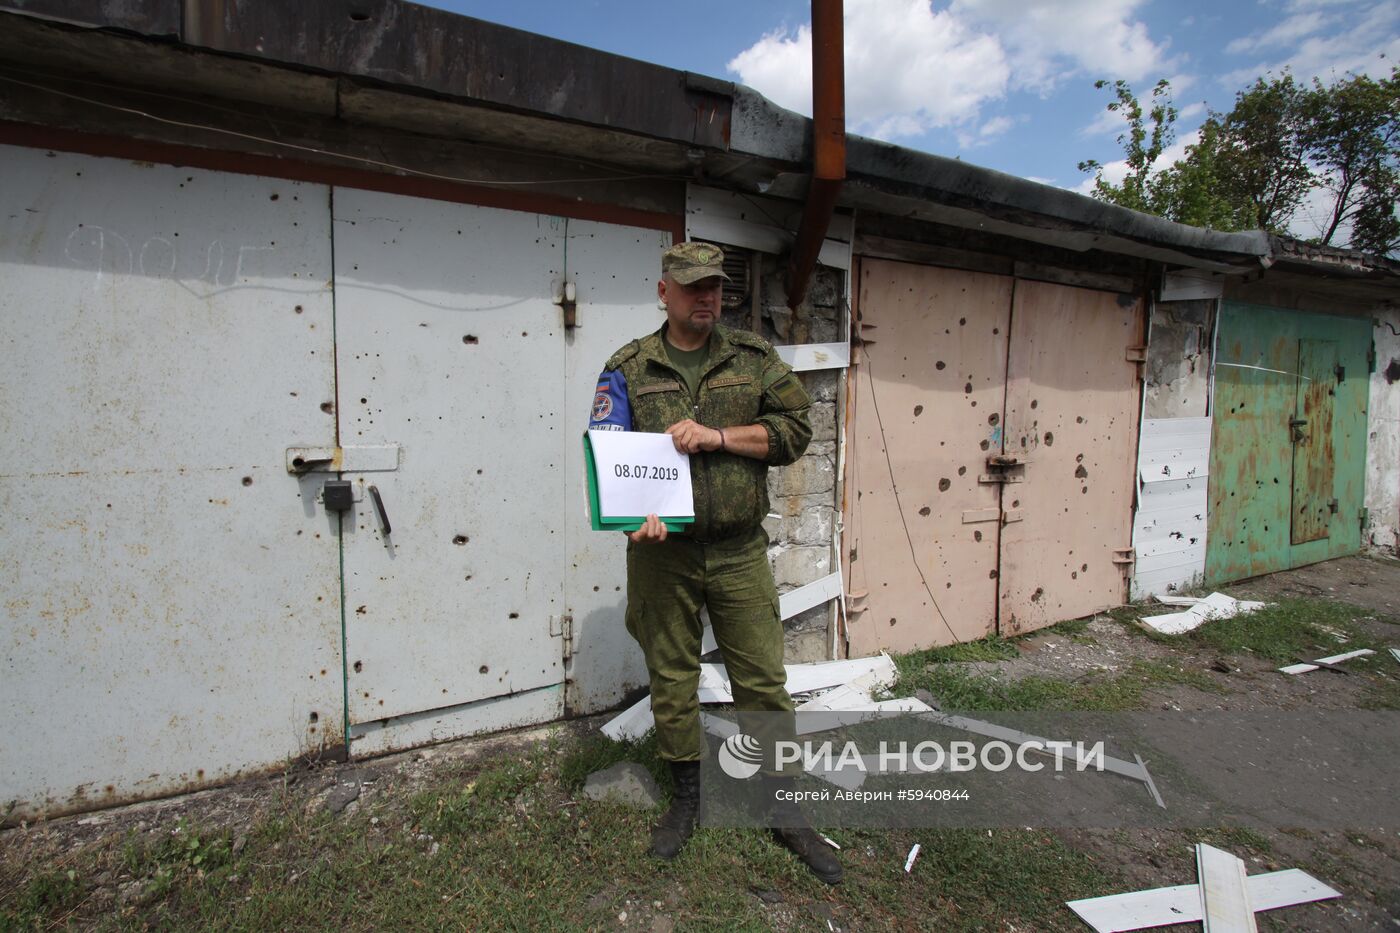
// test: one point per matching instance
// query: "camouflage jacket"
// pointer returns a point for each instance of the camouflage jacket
(743, 382)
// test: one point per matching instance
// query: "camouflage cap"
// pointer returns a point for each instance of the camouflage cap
(691, 261)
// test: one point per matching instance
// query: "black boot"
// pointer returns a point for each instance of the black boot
(678, 822)
(790, 827)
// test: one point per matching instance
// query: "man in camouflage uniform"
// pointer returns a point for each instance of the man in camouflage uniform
(729, 401)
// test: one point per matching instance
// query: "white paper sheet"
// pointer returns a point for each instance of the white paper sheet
(641, 474)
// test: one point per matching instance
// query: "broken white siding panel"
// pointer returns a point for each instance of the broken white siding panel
(1334, 659)
(1160, 907)
(1224, 892)
(1382, 530)
(805, 357)
(632, 723)
(1169, 530)
(812, 594)
(768, 225)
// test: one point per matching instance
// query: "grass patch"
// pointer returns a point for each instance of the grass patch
(596, 752)
(1288, 629)
(1281, 631)
(991, 648)
(1234, 838)
(506, 844)
(1383, 689)
(960, 690)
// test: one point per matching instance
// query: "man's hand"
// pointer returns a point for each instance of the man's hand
(651, 532)
(691, 437)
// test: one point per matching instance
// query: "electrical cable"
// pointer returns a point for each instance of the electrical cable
(327, 152)
(899, 506)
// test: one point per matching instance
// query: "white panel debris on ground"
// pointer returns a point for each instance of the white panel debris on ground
(865, 674)
(1326, 662)
(1189, 903)
(1213, 607)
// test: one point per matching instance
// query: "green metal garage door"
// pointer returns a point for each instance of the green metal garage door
(1288, 452)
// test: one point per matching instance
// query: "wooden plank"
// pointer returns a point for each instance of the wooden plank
(1120, 284)
(879, 247)
(1222, 885)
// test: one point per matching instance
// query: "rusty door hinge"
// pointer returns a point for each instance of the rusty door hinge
(1136, 354)
(1124, 555)
(567, 300)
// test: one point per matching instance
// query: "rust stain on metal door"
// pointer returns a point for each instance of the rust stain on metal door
(1313, 501)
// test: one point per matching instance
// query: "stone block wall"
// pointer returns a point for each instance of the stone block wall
(802, 496)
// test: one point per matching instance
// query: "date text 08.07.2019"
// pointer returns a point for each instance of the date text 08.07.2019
(642, 471)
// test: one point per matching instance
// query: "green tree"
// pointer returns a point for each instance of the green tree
(1142, 146)
(1353, 136)
(1254, 166)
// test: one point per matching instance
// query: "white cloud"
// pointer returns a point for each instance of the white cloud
(1051, 40)
(1192, 110)
(1105, 122)
(908, 69)
(986, 133)
(1368, 43)
(911, 67)
(1287, 31)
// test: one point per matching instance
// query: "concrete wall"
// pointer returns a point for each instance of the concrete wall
(1383, 441)
(1178, 359)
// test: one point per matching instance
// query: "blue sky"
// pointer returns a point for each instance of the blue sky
(1003, 83)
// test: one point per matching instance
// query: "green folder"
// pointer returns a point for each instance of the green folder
(617, 523)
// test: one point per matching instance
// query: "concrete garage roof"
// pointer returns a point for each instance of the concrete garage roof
(389, 62)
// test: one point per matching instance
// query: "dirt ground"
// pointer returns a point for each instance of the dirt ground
(1363, 864)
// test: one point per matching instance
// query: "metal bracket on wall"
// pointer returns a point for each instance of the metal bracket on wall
(566, 297)
(379, 459)
(1137, 355)
(1124, 556)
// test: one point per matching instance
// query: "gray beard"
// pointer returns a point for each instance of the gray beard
(691, 326)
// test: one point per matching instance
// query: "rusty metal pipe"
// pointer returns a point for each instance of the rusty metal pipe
(828, 144)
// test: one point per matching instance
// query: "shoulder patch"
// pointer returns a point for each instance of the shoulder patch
(623, 355)
(789, 393)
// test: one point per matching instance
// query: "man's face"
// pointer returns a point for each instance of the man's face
(693, 308)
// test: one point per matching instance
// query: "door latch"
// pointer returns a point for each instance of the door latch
(999, 467)
(337, 495)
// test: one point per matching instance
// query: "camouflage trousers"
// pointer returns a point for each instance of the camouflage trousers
(667, 584)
